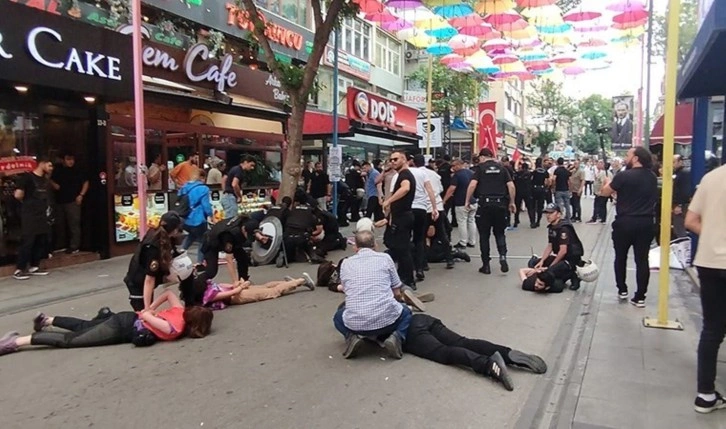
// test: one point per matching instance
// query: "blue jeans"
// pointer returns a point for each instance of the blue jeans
(400, 325)
(562, 199)
(195, 233)
(229, 205)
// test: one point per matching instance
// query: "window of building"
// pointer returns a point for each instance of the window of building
(388, 54)
(356, 38)
(293, 10)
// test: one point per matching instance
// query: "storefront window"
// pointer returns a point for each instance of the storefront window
(19, 133)
(123, 142)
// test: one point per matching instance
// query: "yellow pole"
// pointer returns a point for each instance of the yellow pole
(428, 104)
(662, 321)
(476, 121)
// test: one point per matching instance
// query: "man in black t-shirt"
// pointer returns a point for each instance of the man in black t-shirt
(71, 186)
(319, 186)
(400, 218)
(562, 187)
(233, 186)
(539, 189)
(32, 191)
(637, 193)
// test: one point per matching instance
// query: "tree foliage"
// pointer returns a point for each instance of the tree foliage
(594, 112)
(688, 23)
(548, 100)
(298, 80)
(460, 89)
(543, 139)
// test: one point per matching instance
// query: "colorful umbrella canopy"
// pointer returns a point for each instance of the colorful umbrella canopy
(404, 4)
(532, 55)
(573, 70)
(564, 59)
(413, 15)
(481, 62)
(593, 55)
(626, 17)
(493, 6)
(626, 5)
(581, 15)
(505, 59)
(554, 29)
(369, 6)
(461, 67)
(461, 41)
(439, 49)
(421, 40)
(535, 3)
(524, 34)
(436, 26)
(471, 20)
(438, 3)
(451, 59)
(442, 33)
(629, 25)
(590, 28)
(453, 11)
(381, 17)
(630, 32)
(503, 19)
(592, 43)
(477, 30)
(556, 40)
(397, 25)
(538, 65)
(496, 44)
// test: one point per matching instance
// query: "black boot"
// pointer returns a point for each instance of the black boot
(503, 264)
(485, 268)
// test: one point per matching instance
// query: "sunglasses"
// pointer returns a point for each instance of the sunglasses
(395, 159)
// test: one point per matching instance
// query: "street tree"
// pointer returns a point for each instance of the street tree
(298, 80)
(688, 23)
(459, 89)
(594, 112)
(549, 103)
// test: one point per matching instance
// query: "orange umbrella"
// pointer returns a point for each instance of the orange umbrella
(535, 3)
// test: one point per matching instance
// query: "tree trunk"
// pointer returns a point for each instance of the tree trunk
(292, 169)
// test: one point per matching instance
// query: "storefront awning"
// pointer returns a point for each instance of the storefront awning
(319, 125)
(702, 73)
(684, 126)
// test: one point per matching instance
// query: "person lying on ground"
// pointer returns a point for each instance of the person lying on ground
(142, 328)
(219, 295)
(540, 280)
(430, 339)
(564, 250)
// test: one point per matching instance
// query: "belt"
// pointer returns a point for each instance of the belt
(492, 200)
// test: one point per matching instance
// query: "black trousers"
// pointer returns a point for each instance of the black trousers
(564, 270)
(538, 203)
(117, 329)
(441, 235)
(588, 186)
(420, 225)
(635, 232)
(491, 218)
(430, 339)
(33, 248)
(713, 304)
(528, 202)
(576, 206)
(211, 257)
(374, 209)
(397, 239)
(355, 203)
(600, 209)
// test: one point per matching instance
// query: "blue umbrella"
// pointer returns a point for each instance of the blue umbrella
(442, 33)
(593, 55)
(439, 49)
(454, 10)
(554, 29)
(488, 70)
(543, 72)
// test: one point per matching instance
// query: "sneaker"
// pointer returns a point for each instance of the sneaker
(460, 246)
(40, 321)
(575, 283)
(485, 268)
(602, 222)
(471, 246)
(591, 222)
(497, 370)
(511, 228)
(704, 407)
(35, 271)
(410, 298)
(393, 346)
(426, 297)
(503, 264)
(640, 303)
(532, 362)
(280, 260)
(622, 296)
(7, 343)
(420, 276)
(20, 275)
(450, 264)
(308, 281)
(352, 344)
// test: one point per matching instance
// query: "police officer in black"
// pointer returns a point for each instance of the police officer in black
(150, 264)
(281, 211)
(493, 185)
(332, 238)
(539, 190)
(564, 250)
(232, 236)
(523, 186)
(301, 226)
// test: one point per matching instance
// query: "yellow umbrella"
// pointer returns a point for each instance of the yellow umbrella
(630, 32)
(556, 39)
(493, 6)
(436, 3)
(527, 33)
(431, 23)
(419, 39)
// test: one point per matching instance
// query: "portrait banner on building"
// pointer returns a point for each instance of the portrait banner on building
(488, 126)
(621, 131)
(437, 133)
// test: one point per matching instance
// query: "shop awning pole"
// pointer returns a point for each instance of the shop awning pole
(139, 117)
(669, 128)
(336, 43)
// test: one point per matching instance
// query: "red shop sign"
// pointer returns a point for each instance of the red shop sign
(373, 109)
(17, 164)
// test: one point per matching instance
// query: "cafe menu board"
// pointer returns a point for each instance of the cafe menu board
(126, 214)
(217, 211)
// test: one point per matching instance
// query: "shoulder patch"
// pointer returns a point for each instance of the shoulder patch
(563, 235)
(154, 266)
(228, 247)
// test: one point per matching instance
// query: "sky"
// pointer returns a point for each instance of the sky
(624, 75)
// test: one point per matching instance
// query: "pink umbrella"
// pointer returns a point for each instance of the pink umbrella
(369, 6)
(590, 28)
(461, 67)
(535, 3)
(496, 44)
(404, 4)
(633, 16)
(573, 70)
(461, 41)
(564, 59)
(471, 20)
(381, 17)
(505, 59)
(397, 25)
(476, 30)
(538, 65)
(580, 15)
(451, 59)
(500, 19)
(592, 43)
(626, 5)
(526, 76)
(520, 24)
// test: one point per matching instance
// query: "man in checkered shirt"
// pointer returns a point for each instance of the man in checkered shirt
(372, 293)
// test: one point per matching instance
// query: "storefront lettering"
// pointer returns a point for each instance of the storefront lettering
(169, 40)
(277, 93)
(3, 54)
(220, 74)
(274, 32)
(102, 20)
(154, 57)
(375, 110)
(85, 62)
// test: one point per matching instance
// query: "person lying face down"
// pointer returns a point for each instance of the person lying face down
(540, 280)
(142, 328)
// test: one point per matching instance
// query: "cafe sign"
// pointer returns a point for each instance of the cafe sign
(44, 49)
(368, 108)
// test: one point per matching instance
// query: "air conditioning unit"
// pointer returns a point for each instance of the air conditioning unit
(415, 54)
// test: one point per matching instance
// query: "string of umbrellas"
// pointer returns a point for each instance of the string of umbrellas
(505, 39)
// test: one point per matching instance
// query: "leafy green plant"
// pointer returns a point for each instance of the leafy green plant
(460, 89)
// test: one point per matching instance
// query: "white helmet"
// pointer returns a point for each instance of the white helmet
(588, 272)
(181, 267)
(364, 224)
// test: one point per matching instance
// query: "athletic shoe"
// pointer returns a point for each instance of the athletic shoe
(420, 276)
(308, 281)
(533, 225)
(704, 407)
(602, 222)
(511, 228)
(622, 296)
(35, 271)
(503, 265)
(485, 268)
(7, 343)
(640, 303)
(352, 344)
(575, 283)
(39, 322)
(20, 275)
(591, 222)
(532, 362)
(471, 246)
(497, 370)
(410, 298)
(460, 246)
(450, 264)
(394, 346)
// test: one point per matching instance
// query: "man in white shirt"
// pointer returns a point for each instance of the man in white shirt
(440, 220)
(424, 197)
(589, 178)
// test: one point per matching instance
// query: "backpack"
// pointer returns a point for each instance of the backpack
(182, 205)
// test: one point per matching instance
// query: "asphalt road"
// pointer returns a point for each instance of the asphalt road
(278, 364)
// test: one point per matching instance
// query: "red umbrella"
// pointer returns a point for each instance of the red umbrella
(472, 20)
(632, 16)
(538, 65)
(451, 59)
(384, 16)
(476, 30)
(501, 19)
(505, 59)
(629, 25)
(580, 15)
(535, 3)
(369, 6)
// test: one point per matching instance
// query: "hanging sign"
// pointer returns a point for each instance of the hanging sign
(437, 134)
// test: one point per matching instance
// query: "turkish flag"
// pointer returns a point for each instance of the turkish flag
(516, 156)
(488, 126)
